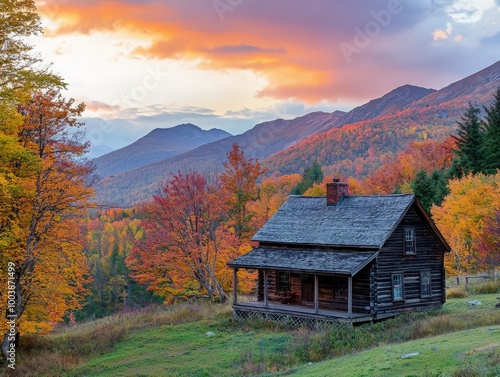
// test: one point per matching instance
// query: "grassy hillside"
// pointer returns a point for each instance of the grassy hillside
(173, 341)
(466, 353)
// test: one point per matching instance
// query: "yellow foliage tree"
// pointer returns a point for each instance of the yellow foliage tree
(47, 186)
(461, 219)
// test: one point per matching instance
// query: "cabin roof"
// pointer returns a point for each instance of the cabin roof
(308, 261)
(358, 221)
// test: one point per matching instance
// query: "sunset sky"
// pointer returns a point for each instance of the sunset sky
(230, 64)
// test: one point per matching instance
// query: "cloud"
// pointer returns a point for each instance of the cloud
(293, 45)
(439, 34)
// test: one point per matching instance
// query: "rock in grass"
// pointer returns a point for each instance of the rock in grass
(409, 355)
(210, 333)
(474, 302)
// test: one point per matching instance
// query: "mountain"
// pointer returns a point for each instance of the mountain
(156, 145)
(97, 150)
(377, 131)
(357, 149)
(390, 103)
(261, 141)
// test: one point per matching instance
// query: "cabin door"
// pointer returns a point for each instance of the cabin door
(307, 296)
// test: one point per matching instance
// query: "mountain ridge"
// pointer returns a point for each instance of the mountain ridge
(158, 144)
(405, 114)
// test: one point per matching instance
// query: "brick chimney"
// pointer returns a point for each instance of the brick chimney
(334, 191)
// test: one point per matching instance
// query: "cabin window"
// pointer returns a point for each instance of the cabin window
(283, 281)
(397, 287)
(425, 283)
(409, 241)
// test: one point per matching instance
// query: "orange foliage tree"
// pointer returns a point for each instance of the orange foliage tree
(239, 181)
(423, 155)
(39, 233)
(462, 217)
(187, 241)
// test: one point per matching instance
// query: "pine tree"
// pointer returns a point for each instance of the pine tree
(491, 145)
(422, 188)
(469, 138)
(313, 174)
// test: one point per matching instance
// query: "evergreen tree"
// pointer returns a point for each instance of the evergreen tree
(430, 189)
(423, 189)
(491, 146)
(312, 175)
(469, 138)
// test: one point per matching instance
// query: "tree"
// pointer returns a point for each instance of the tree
(239, 184)
(462, 217)
(489, 242)
(47, 184)
(492, 135)
(313, 174)
(187, 241)
(430, 189)
(468, 151)
(18, 75)
(423, 189)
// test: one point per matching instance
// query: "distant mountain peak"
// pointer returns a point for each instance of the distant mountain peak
(394, 101)
(158, 144)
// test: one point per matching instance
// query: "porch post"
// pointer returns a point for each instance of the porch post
(235, 286)
(265, 288)
(349, 296)
(316, 294)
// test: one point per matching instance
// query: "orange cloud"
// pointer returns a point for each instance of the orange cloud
(296, 49)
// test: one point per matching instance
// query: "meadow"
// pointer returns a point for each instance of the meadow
(458, 340)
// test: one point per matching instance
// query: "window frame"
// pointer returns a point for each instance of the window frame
(422, 294)
(406, 249)
(398, 286)
(280, 273)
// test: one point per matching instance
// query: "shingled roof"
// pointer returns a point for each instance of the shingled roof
(356, 221)
(308, 261)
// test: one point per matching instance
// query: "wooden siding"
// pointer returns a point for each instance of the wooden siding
(429, 256)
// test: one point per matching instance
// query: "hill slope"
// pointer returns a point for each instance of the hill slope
(386, 126)
(156, 145)
(260, 142)
(390, 103)
(359, 148)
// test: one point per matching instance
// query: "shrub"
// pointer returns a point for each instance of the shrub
(456, 292)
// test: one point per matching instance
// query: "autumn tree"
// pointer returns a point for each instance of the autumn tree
(489, 242)
(187, 241)
(273, 191)
(39, 231)
(462, 218)
(109, 238)
(469, 139)
(239, 185)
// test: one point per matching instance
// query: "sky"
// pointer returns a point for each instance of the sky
(230, 64)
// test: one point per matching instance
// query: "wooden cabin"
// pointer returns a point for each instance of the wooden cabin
(345, 258)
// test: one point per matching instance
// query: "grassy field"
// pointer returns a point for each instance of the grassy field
(174, 342)
(471, 352)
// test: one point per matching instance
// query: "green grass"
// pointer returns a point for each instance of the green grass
(184, 350)
(172, 341)
(466, 349)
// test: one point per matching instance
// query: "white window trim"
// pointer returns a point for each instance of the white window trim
(402, 287)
